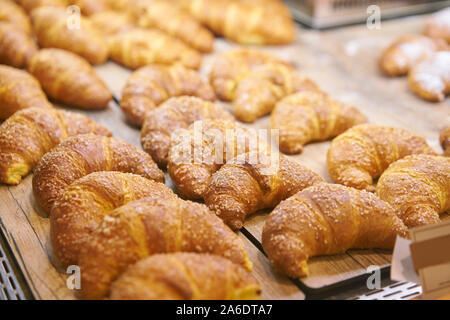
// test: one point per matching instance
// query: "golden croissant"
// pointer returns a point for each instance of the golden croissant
(151, 85)
(91, 7)
(311, 116)
(139, 47)
(327, 219)
(84, 203)
(19, 90)
(198, 277)
(53, 30)
(84, 154)
(444, 138)
(110, 23)
(169, 18)
(438, 25)
(196, 153)
(257, 22)
(174, 114)
(418, 187)
(362, 153)
(430, 79)
(30, 5)
(406, 52)
(16, 46)
(11, 12)
(68, 78)
(253, 182)
(27, 135)
(149, 226)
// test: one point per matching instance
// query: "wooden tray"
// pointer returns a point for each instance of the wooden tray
(344, 63)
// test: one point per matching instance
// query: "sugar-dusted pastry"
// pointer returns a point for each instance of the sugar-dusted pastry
(84, 203)
(83, 154)
(196, 153)
(430, 79)
(418, 187)
(199, 277)
(11, 12)
(151, 85)
(30, 5)
(444, 139)
(254, 182)
(50, 25)
(362, 153)
(311, 116)
(174, 114)
(438, 25)
(406, 52)
(168, 17)
(16, 46)
(150, 226)
(327, 219)
(110, 23)
(258, 22)
(28, 134)
(139, 47)
(19, 90)
(69, 78)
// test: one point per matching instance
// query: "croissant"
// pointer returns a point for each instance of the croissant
(257, 22)
(418, 187)
(83, 204)
(139, 47)
(445, 141)
(150, 226)
(151, 85)
(430, 79)
(406, 52)
(169, 18)
(19, 90)
(110, 23)
(27, 135)
(196, 277)
(254, 182)
(327, 219)
(90, 7)
(11, 12)
(68, 78)
(438, 26)
(195, 154)
(311, 116)
(363, 152)
(30, 5)
(174, 114)
(84, 154)
(16, 46)
(51, 25)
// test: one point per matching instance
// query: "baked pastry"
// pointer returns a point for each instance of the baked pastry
(150, 226)
(406, 52)
(418, 188)
(197, 277)
(311, 116)
(11, 12)
(430, 79)
(139, 47)
(84, 154)
(19, 90)
(438, 26)
(70, 79)
(444, 138)
(174, 114)
(28, 134)
(363, 152)
(258, 22)
(84, 203)
(16, 46)
(51, 29)
(254, 182)
(195, 154)
(30, 5)
(151, 85)
(168, 17)
(327, 219)
(90, 7)
(110, 23)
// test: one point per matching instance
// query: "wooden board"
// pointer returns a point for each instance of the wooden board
(344, 63)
